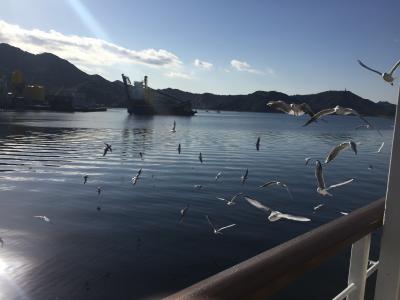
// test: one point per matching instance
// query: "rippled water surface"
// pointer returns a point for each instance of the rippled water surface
(127, 242)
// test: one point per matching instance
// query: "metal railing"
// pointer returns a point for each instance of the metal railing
(268, 272)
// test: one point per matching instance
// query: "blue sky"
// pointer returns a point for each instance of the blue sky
(225, 47)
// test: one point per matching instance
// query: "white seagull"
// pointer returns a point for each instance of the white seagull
(322, 189)
(318, 206)
(291, 109)
(274, 215)
(219, 174)
(387, 76)
(339, 148)
(173, 127)
(380, 148)
(278, 183)
(99, 190)
(243, 178)
(44, 218)
(232, 200)
(218, 230)
(136, 177)
(183, 212)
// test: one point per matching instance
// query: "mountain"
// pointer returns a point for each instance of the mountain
(55, 73)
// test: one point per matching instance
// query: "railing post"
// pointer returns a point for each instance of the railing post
(387, 283)
(358, 267)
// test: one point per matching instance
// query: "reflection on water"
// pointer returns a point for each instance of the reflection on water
(135, 247)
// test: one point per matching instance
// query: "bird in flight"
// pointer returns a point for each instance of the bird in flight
(380, 148)
(201, 157)
(339, 148)
(136, 177)
(321, 187)
(173, 127)
(274, 215)
(230, 201)
(278, 183)
(258, 144)
(107, 148)
(219, 174)
(85, 178)
(307, 160)
(387, 76)
(179, 149)
(243, 178)
(1, 242)
(183, 212)
(99, 190)
(218, 230)
(44, 218)
(291, 109)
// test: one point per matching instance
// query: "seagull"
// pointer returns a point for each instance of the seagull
(307, 159)
(322, 189)
(380, 148)
(198, 186)
(141, 155)
(173, 127)
(370, 167)
(183, 212)
(318, 206)
(344, 213)
(268, 183)
(363, 126)
(99, 190)
(1, 242)
(218, 230)
(85, 178)
(179, 149)
(343, 111)
(136, 177)
(291, 109)
(339, 148)
(243, 178)
(258, 144)
(44, 218)
(201, 157)
(232, 200)
(274, 215)
(218, 176)
(107, 148)
(387, 76)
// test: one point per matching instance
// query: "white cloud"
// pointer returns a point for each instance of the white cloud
(178, 75)
(243, 66)
(204, 65)
(85, 52)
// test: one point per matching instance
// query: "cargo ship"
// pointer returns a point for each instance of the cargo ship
(143, 100)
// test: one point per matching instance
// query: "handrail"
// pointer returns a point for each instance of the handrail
(266, 273)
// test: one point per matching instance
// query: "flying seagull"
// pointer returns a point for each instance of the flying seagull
(99, 190)
(343, 111)
(219, 174)
(44, 218)
(363, 126)
(198, 186)
(258, 144)
(136, 177)
(243, 178)
(274, 215)
(232, 200)
(339, 148)
(322, 189)
(107, 148)
(218, 230)
(173, 127)
(183, 212)
(85, 178)
(278, 183)
(387, 76)
(307, 159)
(291, 109)
(141, 155)
(318, 206)
(179, 149)
(380, 148)
(201, 157)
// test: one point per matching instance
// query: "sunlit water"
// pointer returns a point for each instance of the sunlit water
(135, 247)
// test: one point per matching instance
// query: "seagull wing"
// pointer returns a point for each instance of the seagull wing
(307, 109)
(394, 68)
(380, 148)
(336, 150)
(319, 175)
(294, 218)
(307, 159)
(340, 184)
(288, 190)
(225, 227)
(222, 199)
(235, 197)
(209, 222)
(280, 105)
(319, 115)
(368, 68)
(257, 204)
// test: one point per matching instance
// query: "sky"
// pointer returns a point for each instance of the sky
(217, 46)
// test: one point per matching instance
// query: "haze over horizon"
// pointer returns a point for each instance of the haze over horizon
(219, 47)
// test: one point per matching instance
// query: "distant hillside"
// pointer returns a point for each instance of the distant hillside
(55, 73)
